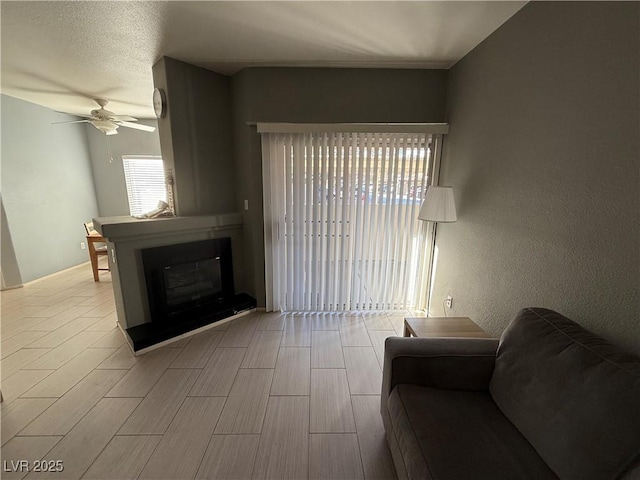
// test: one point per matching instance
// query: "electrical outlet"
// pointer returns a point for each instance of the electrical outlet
(449, 301)
(83, 245)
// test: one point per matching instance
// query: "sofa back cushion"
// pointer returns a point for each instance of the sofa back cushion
(575, 397)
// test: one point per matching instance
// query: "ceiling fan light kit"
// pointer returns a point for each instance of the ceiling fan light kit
(105, 126)
(108, 122)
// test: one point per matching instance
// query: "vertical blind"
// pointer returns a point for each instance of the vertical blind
(341, 225)
(144, 177)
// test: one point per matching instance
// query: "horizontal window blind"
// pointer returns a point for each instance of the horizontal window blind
(145, 180)
(341, 225)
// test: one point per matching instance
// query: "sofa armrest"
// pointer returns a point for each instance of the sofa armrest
(448, 363)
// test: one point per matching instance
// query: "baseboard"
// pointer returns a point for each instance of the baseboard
(54, 274)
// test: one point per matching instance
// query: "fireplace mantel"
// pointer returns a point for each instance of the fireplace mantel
(124, 227)
(127, 236)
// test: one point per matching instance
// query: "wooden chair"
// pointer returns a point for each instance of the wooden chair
(97, 247)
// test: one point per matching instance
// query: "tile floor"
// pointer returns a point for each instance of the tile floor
(264, 396)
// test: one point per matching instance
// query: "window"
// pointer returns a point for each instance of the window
(144, 176)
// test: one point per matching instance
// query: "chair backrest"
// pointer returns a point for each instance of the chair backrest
(89, 228)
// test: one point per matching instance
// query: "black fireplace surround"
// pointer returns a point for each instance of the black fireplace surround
(189, 285)
(188, 277)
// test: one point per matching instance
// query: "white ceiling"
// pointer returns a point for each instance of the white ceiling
(63, 54)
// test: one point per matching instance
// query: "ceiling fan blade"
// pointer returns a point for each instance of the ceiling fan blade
(72, 121)
(137, 126)
(74, 114)
(124, 118)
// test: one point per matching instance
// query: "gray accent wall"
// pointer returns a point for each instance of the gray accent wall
(108, 176)
(47, 187)
(195, 135)
(322, 95)
(543, 155)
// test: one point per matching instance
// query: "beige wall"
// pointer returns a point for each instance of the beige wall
(543, 154)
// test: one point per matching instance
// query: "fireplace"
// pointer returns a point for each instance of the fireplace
(188, 278)
(157, 305)
(189, 287)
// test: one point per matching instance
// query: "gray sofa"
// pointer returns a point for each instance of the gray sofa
(548, 400)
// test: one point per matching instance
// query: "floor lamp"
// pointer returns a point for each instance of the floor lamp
(438, 207)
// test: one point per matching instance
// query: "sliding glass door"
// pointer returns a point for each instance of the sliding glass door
(341, 221)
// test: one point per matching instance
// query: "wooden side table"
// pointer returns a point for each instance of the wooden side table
(442, 327)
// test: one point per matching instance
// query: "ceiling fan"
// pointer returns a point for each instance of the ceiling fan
(108, 122)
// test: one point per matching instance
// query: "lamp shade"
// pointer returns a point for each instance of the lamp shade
(438, 205)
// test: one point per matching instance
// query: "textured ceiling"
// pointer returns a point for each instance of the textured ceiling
(63, 54)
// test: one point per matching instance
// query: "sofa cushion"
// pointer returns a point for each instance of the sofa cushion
(575, 397)
(459, 435)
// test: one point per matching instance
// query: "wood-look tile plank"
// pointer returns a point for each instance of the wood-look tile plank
(334, 456)
(98, 299)
(218, 375)
(20, 359)
(229, 457)
(13, 312)
(284, 443)
(377, 321)
(155, 412)
(82, 445)
(60, 381)
(247, 402)
(363, 370)
(331, 410)
(121, 359)
(271, 321)
(353, 333)
(397, 322)
(24, 448)
(263, 349)
(21, 382)
(101, 310)
(325, 321)
(297, 331)
(143, 376)
(240, 332)
(378, 337)
(62, 334)
(52, 323)
(64, 352)
(222, 325)
(124, 457)
(11, 329)
(113, 338)
(19, 413)
(52, 296)
(198, 350)
(182, 447)
(326, 349)
(63, 415)
(21, 340)
(105, 324)
(183, 342)
(292, 375)
(374, 450)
